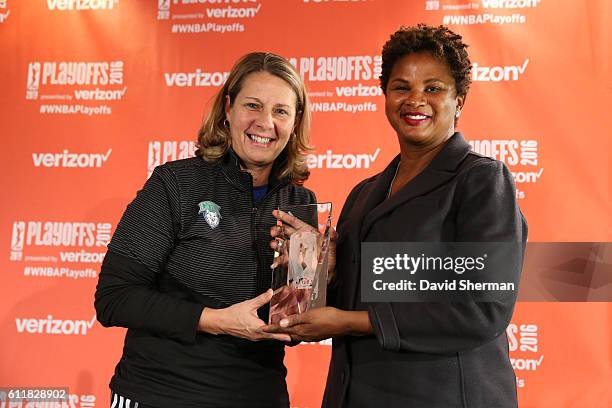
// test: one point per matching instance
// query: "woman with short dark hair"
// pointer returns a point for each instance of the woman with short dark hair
(421, 354)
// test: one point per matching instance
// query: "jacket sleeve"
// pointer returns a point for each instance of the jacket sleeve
(486, 211)
(127, 294)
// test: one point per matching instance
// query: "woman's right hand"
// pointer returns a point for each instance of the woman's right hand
(240, 320)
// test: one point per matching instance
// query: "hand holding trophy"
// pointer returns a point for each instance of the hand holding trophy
(300, 268)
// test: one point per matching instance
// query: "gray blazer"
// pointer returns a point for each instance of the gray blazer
(427, 354)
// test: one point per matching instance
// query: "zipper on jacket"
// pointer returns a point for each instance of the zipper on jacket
(266, 197)
(254, 226)
(257, 220)
(256, 216)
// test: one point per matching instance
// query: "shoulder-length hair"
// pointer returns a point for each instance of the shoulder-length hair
(214, 137)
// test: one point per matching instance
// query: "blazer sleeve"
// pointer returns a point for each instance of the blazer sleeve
(333, 286)
(486, 211)
(127, 294)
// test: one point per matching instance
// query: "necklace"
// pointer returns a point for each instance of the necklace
(393, 181)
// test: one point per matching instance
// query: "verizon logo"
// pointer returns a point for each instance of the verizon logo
(498, 73)
(70, 160)
(233, 12)
(197, 78)
(54, 326)
(510, 4)
(82, 256)
(358, 90)
(100, 94)
(330, 160)
(81, 4)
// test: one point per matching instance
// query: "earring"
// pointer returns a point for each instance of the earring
(226, 123)
(457, 114)
(292, 136)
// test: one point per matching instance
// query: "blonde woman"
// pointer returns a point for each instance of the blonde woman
(188, 268)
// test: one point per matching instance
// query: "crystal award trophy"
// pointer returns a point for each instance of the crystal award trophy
(299, 278)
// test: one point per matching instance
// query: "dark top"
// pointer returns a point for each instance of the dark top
(166, 262)
(259, 193)
(427, 355)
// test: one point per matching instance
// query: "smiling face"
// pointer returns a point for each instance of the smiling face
(261, 119)
(421, 101)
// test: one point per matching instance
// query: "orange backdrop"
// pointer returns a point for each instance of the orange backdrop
(96, 93)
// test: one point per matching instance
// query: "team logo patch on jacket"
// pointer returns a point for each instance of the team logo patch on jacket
(211, 213)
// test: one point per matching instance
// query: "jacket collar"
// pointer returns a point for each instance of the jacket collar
(442, 168)
(231, 164)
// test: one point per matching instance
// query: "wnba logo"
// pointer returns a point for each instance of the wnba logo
(17, 240)
(162, 152)
(163, 9)
(154, 156)
(4, 16)
(33, 80)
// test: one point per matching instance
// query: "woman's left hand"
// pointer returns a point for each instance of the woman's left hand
(322, 323)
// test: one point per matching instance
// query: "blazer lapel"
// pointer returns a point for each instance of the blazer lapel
(377, 190)
(442, 168)
(372, 194)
